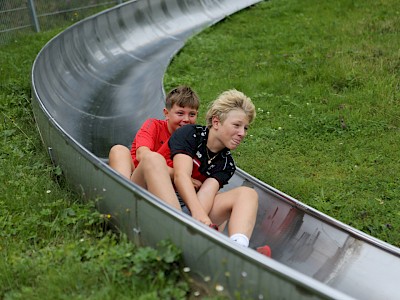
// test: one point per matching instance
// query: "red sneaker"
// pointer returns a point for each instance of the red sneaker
(214, 226)
(265, 250)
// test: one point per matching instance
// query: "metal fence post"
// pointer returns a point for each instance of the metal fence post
(119, 1)
(32, 12)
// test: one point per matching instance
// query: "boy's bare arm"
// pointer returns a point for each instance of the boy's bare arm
(183, 166)
(207, 193)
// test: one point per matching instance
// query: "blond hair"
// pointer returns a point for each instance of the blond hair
(228, 101)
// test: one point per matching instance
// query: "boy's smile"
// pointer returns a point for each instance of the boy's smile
(179, 116)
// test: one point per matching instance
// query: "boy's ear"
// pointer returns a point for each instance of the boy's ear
(215, 122)
(165, 111)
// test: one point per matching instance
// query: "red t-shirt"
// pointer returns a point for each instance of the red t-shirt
(153, 134)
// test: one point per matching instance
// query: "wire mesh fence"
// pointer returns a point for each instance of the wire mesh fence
(21, 16)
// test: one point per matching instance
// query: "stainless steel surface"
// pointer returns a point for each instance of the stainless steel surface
(94, 85)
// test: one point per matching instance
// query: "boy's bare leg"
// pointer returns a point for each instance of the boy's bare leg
(240, 206)
(120, 160)
(152, 174)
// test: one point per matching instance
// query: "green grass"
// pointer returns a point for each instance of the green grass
(325, 78)
(325, 81)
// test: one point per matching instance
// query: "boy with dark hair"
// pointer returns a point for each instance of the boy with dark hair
(181, 108)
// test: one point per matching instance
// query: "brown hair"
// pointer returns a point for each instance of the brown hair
(182, 96)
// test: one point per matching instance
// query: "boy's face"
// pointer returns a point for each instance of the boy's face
(233, 129)
(179, 116)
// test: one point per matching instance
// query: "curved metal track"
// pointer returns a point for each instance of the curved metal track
(94, 85)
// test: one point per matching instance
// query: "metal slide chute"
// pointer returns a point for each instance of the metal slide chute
(93, 86)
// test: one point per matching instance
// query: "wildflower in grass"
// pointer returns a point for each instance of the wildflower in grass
(219, 288)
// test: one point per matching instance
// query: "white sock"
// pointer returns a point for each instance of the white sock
(241, 239)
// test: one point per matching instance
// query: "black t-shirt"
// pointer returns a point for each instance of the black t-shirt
(192, 140)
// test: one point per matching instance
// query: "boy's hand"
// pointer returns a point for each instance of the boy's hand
(202, 217)
(196, 183)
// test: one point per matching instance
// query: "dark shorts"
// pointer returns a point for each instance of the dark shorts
(184, 208)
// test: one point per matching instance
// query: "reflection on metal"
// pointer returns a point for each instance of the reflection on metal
(95, 84)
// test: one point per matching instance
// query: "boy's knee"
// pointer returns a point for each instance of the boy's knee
(249, 194)
(118, 149)
(153, 159)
